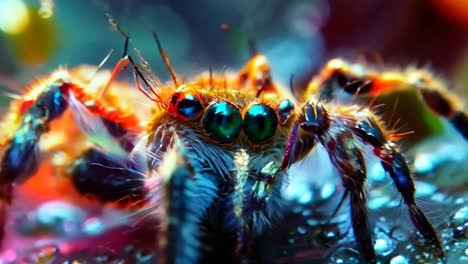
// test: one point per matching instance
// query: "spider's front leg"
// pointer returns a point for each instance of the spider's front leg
(342, 133)
(61, 107)
(182, 194)
(20, 158)
(98, 176)
(346, 155)
(369, 130)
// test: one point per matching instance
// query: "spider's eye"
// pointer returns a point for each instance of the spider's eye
(260, 123)
(185, 105)
(285, 110)
(222, 122)
(189, 107)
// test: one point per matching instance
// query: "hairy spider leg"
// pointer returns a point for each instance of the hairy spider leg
(30, 119)
(339, 132)
(21, 157)
(186, 193)
(97, 176)
(347, 157)
(367, 128)
(339, 75)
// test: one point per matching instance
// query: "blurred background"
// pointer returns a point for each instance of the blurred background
(298, 36)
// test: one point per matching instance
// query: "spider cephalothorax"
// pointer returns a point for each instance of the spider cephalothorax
(213, 153)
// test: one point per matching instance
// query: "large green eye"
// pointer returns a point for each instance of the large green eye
(260, 123)
(222, 122)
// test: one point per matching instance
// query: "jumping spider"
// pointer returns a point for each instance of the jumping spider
(212, 151)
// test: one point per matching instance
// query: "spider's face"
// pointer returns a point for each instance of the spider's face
(219, 115)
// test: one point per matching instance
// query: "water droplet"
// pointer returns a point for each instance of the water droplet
(423, 163)
(346, 255)
(311, 222)
(459, 223)
(399, 234)
(93, 226)
(376, 173)
(410, 248)
(424, 189)
(297, 209)
(144, 256)
(55, 212)
(52, 218)
(377, 202)
(327, 190)
(301, 230)
(105, 259)
(306, 213)
(393, 203)
(461, 214)
(305, 198)
(330, 235)
(383, 247)
(439, 197)
(399, 260)
(426, 256)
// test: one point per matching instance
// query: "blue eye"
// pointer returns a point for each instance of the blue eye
(222, 122)
(285, 110)
(189, 107)
(260, 123)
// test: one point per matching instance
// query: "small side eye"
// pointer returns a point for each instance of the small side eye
(222, 122)
(185, 106)
(260, 123)
(285, 110)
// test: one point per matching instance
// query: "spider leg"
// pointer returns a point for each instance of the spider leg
(186, 195)
(394, 163)
(338, 206)
(97, 175)
(20, 159)
(347, 157)
(48, 102)
(339, 75)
